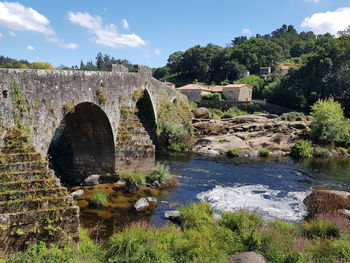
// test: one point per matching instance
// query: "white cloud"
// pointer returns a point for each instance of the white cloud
(15, 16)
(30, 48)
(313, 1)
(328, 22)
(125, 24)
(157, 52)
(69, 46)
(246, 31)
(106, 35)
(1, 35)
(12, 34)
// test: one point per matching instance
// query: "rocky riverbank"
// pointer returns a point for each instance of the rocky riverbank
(249, 133)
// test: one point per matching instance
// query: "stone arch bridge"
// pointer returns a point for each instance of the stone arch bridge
(81, 123)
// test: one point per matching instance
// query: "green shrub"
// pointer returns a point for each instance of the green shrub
(196, 215)
(241, 221)
(87, 251)
(278, 242)
(177, 147)
(158, 175)
(192, 105)
(321, 227)
(100, 199)
(212, 96)
(328, 250)
(233, 112)
(321, 152)
(292, 116)
(329, 125)
(140, 243)
(174, 135)
(233, 153)
(217, 112)
(302, 150)
(209, 244)
(264, 153)
(135, 178)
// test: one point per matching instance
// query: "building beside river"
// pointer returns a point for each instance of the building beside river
(231, 92)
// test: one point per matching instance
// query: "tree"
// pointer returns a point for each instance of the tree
(41, 65)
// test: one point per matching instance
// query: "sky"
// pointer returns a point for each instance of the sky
(147, 32)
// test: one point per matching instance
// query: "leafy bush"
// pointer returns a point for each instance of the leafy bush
(321, 227)
(217, 112)
(87, 251)
(135, 178)
(100, 199)
(241, 221)
(174, 134)
(292, 116)
(322, 152)
(264, 153)
(329, 125)
(142, 243)
(212, 96)
(196, 215)
(302, 150)
(158, 175)
(192, 105)
(233, 153)
(233, 112)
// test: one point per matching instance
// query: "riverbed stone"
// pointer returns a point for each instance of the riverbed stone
(151, 199)
(141, 204)
(77, 193)
(172, 215)
(92, 179)
(247, 257)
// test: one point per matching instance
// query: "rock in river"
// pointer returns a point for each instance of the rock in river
(141, 204)
(92, 180)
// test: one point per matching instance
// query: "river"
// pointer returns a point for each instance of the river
(272, 187)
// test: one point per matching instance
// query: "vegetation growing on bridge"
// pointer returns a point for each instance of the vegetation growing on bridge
(174, 122)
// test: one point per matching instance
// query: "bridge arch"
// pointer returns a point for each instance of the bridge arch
(147, 114)
(83, 144)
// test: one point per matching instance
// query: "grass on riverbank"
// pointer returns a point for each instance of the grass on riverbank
(159, 175)
(200, 239)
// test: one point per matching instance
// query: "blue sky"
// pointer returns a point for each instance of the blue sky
(147, 32)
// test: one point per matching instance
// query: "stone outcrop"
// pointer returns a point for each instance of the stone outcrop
(247, 257)
(251, 133)
(33, 205)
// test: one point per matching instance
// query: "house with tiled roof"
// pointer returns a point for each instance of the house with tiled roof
(236, 92)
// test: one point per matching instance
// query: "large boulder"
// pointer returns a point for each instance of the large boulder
(93, 179)
(247, 257)
(327, 201)
(201, 113)
(299, 125)
(141, 204)
(208, 128)
(249, 119)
